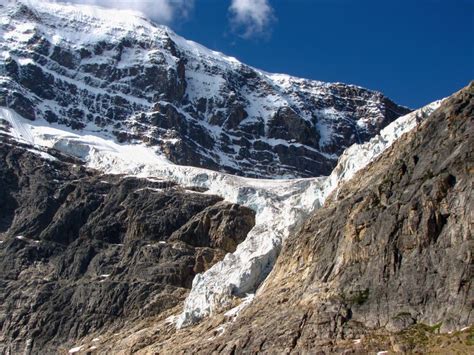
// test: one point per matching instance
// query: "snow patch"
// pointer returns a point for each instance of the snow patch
(43, 155)
(76, 349)
(234, 312)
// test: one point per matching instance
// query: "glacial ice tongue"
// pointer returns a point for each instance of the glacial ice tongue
(280, 205)
(243, 271)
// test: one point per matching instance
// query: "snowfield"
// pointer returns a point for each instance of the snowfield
(280, 205)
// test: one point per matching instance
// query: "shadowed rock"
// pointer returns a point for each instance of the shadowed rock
(81, 251)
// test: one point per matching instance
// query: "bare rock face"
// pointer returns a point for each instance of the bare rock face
(389, 253)
(121, 75)
(81, 251)
(221, 226)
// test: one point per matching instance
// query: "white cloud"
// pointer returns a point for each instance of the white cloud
(252, 17)
(163, 11)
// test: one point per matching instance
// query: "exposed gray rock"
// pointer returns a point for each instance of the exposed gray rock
(80, 251)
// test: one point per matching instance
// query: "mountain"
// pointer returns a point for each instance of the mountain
(122, 231)
(382, 265)
(115, 74)
(98, 262)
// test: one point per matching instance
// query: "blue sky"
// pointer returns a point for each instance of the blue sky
(413, 51)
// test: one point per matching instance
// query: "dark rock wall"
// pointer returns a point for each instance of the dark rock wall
(80, 251)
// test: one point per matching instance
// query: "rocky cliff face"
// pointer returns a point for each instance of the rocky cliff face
(385, 264)
(80, 251)
(116, 74)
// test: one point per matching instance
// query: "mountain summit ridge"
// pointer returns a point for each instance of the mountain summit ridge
(139, 82)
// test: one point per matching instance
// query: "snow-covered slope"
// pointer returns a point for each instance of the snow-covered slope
(280, 205)
(114, 70)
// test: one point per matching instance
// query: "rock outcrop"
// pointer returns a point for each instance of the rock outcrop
(81, 251)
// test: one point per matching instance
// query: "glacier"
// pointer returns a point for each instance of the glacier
(280, 205)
